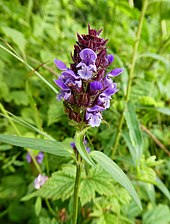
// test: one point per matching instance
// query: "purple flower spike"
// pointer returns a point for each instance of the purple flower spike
(110, 58)
(115, 72)
(85, 87)
(96, 85)
(60, 65)
(40, 157)
(88, 56)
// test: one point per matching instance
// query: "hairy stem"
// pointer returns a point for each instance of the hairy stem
(131, 73)
(76, 189)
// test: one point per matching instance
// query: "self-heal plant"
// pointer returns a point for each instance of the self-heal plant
(86, 89)
(85, 86)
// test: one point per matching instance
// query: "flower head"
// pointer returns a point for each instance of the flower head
(85, 87)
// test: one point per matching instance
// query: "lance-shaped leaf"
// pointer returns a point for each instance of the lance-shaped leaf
(52, 147)
(135, 133)
(81, 148)
(117, 173)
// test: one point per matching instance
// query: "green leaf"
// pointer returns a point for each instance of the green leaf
(130, 146)
(59, 186)
(154, 56)
(43, 220)
(87, 191)
(17, 37)
(164, 110)
(93, 182)
(162, 187)
(19, 97)
(55, 112)
(38, 206)
(135, 133)
(52, 147)
(158, 215)
(81, 148)
(114, 170)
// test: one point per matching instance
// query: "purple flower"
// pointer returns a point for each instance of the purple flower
(110, 58)
(87, 64)
(86, 72)
(85, 87)
(28, 157)
(88, 56)
(93, 115)
(39, 157)
(40, 181)
(60, 65)
(96, 85)
(73, 145)
(105, 97)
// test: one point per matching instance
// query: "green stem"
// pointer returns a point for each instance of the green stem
(50, 208)
(131, 73)
(76, 189)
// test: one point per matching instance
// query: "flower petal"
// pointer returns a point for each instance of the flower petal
(110, 90)
(61, 84)
(110, 58)
(88, 54)
(96, 85)
(94, 120)
(96, 108)
(85, 72)
(60, 65)
(115, 72)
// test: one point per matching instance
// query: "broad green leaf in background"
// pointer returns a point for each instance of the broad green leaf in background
(17, 37)
(117, 173)
(33, 105)
(81, 148)
(154, 56)
(52, 147)
(164, 110)
(38, 206)
(162, 188)
(59, 186)
(135, 133)
(158, 215)
(44, 220)
(132, 149)
(92, 183)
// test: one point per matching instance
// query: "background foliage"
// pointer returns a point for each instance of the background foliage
(39, 31)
